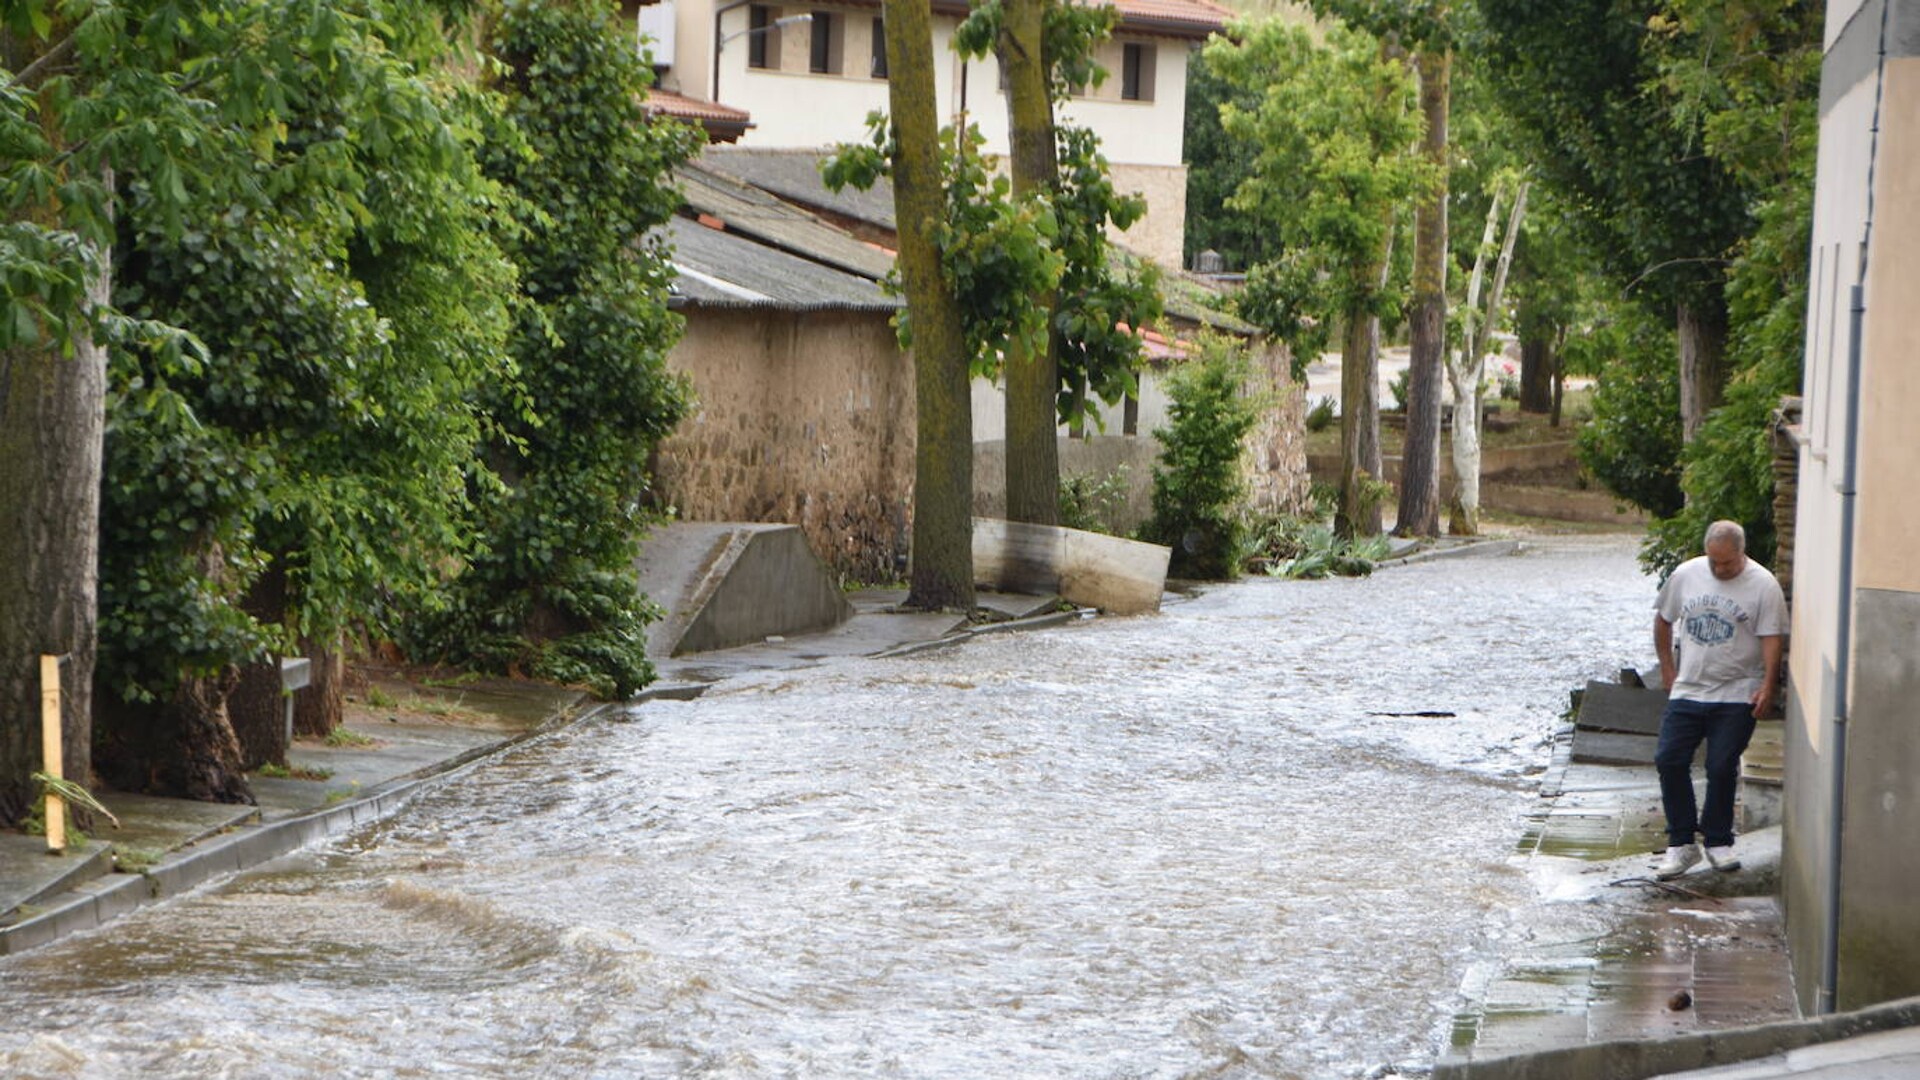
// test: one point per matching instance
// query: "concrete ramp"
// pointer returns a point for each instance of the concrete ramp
(725, 584)
(1122, 577)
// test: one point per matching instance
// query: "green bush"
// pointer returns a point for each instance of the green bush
(1321, 416)
(1092, 503)
(1633, 444)
(1198, 486)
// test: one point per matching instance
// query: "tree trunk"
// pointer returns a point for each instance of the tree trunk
(1559, 366)
(257, 707)
(1702, 327)
(941, 575)
(182, 748)
(1359, 509)
(1032, 367)
(1419, 510)
(1467, 374)
(319, 709)
(52, 417)
(1536, 375)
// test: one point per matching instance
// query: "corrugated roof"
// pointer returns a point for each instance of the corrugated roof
(794, 175)
(722, 270)
(748, 210)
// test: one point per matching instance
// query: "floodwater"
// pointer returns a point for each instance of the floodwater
(1189, 845)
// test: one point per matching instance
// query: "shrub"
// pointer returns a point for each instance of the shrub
(1093, 503)
(1321, 416)
(1633, 444)
(1198, 485)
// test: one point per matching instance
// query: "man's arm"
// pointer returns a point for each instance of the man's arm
(1771, 647)
(1663, 644)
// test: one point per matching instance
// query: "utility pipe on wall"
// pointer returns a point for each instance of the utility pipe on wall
(1826, 995)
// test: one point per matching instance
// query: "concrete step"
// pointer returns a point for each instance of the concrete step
(725, 584)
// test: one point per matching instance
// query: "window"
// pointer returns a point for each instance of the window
(763, 38)
(824, 54)
(879, 68)
(1136, 72)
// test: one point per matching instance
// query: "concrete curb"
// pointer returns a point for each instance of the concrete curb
(1036, 622)
(81, 905)
(1639, 1060)
(1476, 549)
(94, 903)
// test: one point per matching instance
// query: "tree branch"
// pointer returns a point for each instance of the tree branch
(30, 75)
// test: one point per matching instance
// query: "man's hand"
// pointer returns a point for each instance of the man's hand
(1763, 701)
(1772, 647)
(1663, 646)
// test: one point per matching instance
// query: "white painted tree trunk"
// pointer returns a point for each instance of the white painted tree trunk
(1466, 372)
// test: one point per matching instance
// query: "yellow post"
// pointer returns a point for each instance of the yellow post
(50, 747)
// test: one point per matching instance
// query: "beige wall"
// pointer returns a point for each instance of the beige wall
(1161, 234)
(1889, 513)
(802, 418)
(1863, 777)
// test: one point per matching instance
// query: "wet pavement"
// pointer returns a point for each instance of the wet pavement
(1219, 842)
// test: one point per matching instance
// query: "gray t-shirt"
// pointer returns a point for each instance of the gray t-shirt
(1717, 627)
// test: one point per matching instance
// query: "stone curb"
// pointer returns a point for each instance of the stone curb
(1034, 622)
(1476, 549)
(1641, 1059)
(97, 902)
(93, 903)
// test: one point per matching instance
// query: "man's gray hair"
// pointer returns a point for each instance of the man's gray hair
(1727, 532)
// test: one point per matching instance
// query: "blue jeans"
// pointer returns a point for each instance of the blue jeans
(1725, 727)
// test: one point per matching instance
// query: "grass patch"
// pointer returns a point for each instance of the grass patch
(344, 738)
(136, 860)
(294, 772)
(380, 699)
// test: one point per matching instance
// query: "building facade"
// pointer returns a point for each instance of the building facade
(807, 76)
(1850, 868)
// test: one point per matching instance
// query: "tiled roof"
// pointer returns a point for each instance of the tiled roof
(720, 121)
(1172, 18)
(1193, 15)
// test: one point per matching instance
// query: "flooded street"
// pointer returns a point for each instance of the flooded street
(1200, 844)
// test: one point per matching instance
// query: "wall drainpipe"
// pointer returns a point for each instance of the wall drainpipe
(1827, 995)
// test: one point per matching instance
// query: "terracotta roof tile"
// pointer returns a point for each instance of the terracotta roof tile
(667, 103)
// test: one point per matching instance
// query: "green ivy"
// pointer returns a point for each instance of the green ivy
(550, 591)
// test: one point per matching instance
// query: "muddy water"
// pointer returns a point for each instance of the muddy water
(1174, 846)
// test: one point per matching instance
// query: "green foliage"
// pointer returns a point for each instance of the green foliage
(1282, 545)
(998, 253)
(551, 592)
(1632, 445)
(1574, 78)
(1199, 486)
(1091, 503)
(1745, 76)
(1335, 127)
(1322, 415)
(351, 305)
(1217, 165)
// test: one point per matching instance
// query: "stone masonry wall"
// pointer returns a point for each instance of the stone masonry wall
(802, 418)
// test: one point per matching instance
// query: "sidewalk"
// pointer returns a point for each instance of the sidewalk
(1611, 974)
(165, 847)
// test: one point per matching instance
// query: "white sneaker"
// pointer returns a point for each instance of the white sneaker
(1679, 859)
(1723, 858)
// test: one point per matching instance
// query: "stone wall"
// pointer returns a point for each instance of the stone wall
(804, 418)
(1277, 461)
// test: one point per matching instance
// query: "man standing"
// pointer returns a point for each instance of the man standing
(1732, 619)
